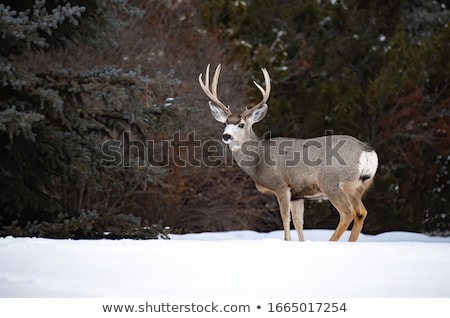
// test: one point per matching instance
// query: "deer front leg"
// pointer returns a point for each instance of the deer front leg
(284, 200)
(298, 208)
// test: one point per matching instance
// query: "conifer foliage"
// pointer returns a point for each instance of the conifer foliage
(54, 121)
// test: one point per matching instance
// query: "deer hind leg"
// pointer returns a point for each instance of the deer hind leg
(345, 218)
(358, 222)
(298, 209)
(284, 199)
(338, 198)
(354, 192)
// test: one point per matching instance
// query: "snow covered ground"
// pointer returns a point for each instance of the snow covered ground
(228, 264)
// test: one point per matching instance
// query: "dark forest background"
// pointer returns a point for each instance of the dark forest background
(100, 107)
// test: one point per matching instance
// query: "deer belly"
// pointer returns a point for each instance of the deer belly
(307, 194)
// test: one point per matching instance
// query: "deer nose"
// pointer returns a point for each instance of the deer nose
(226, 137)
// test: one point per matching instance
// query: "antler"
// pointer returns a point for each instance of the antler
(265, 93)
(212, 93)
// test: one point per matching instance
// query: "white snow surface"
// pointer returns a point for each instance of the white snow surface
(228, 264)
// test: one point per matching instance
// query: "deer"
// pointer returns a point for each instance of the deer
(339, 168)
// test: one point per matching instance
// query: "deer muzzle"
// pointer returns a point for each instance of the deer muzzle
(226, 138)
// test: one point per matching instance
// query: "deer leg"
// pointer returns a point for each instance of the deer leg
(354, 192)
(285, 211)
(346, 213)
(358, 222)
(344, 222)
(297, 217)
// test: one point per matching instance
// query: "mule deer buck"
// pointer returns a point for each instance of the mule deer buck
(335, 167)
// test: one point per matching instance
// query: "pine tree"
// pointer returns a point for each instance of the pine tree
(54, 122)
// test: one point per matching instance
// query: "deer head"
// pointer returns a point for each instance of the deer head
(238, 128)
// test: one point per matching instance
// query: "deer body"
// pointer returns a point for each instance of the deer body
(335, 167)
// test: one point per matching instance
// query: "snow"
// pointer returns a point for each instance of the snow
(228, 264)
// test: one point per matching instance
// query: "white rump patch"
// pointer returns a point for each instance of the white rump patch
(368, 164)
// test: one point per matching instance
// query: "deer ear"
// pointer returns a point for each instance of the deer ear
(258, 114)
(218, 113)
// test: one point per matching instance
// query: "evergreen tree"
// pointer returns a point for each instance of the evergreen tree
(54, 122)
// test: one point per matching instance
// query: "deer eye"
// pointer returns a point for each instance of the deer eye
(241, 125)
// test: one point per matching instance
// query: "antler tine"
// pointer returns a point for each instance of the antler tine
(216, 79)
(265, 92)
(212, 93)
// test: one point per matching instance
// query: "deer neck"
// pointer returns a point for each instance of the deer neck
(246, 153)
(249, 139)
